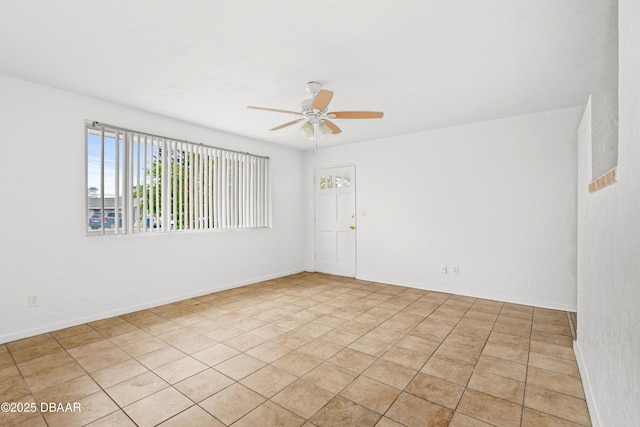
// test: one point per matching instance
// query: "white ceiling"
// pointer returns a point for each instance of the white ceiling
(426, 64)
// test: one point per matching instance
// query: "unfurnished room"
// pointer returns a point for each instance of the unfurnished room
(331, 213)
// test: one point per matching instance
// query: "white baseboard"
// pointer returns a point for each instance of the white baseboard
(586, 384)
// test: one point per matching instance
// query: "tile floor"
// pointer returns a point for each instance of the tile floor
(308, 349)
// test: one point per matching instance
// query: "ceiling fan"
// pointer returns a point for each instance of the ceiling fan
(315, 115)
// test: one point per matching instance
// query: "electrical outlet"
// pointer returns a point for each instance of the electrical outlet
(455, 269)
(33, 300)
(443, 269)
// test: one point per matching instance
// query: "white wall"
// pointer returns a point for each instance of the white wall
(608, 346)
(43, 248)
(496, 198)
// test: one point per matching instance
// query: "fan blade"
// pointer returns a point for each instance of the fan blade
(275, 110)
(322, 99)
(293, 122)
(334, 129)
(355, 114)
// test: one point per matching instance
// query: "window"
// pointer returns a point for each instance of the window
(157, 184)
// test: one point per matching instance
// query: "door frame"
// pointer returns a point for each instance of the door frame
(355, 209)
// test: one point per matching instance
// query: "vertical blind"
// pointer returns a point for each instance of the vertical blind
(161, 184)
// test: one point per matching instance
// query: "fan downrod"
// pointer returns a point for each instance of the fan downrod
(313, 88)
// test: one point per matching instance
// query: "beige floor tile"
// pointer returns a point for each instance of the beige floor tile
(473, 332)
(390, 373)
(245, 341)
(161, 328)
(195, 344)
(145, 346)
(160, 357)
(136, 388)
(464, 343)
(192, 417)
(356, 328)
(269, 380)
(216, 354)
(371, 394)
(432, 330)
(270, 414)
(297, 363)
(102, 360)
(320, 349)
(69, 332)
(92, 349)
(158, 407)
(370, 346)
(180, 369)
(293, 339)
(435, 390)
(461, 420)
(497, 386)
(13, 389)
(490, 409)
(203, 384)
(452, 372)
(558, 404)
(104, 323)
(388, 422)
(35, 341)
(239, 366)
(417, 344)
(114, 330)
(69, 391)
(503, 367)
(5, 357)
(550, 363)
(119, 372)
(269, 351)
(481, 316)
(524, 332)
(248, 324)
(24, 417)
(550, 338)
(26, 354)
(130, 338)
(506, 352)
(330, 377)
(92, 407)
(232, 403)
(384, 335)
(456, 355)
(414, 411)
(114, 419)
(340, 337)
(269, 331)
(303, 398)
(552, 328)
(45, 378)
(407, 358)
(508, 340)
(45, 362)
(555, 350)
(342, 412)
(353, 360)
(566, 384)
(533, 418)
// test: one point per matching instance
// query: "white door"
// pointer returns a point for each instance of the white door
(335, 190)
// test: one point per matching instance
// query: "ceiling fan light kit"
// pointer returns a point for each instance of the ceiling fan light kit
(315, 115)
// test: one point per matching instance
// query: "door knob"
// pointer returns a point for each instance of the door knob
(353, 227)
